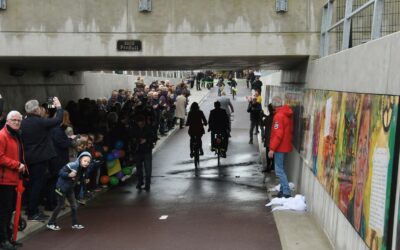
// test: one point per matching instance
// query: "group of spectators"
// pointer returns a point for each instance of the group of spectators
(39, 143)
(51, 148)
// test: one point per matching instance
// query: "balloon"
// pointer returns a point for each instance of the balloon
(110, 164)
(121, 153)
(114, 181)
(127, 170)
(104, 179)
(119, 144)
(115, 154)
(110, 157)
(119, 175)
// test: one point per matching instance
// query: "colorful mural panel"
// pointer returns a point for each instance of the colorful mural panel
(396, 235)
(348, 143)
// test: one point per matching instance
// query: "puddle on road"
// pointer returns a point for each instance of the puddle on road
(222, 166)
(232, 158)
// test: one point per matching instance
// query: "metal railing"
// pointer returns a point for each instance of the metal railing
(348, 23)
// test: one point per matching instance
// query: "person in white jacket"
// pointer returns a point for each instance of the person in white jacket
(180, 111)
(227, 105)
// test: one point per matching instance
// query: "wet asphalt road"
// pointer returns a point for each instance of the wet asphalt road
(212, 208)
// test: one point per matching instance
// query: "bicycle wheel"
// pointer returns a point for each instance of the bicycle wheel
(196, 159)
(218, 155)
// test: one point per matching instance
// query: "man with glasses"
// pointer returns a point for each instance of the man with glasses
(11, 165)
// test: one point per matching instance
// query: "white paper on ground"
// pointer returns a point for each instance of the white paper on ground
(163, 217)
(298, 203)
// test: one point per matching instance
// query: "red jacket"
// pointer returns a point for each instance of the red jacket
(9, 158)
(282, 130)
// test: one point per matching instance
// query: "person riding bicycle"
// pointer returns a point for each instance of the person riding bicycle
(232, 83)
(209, 81)
(219, 124)
(196, 120)
(221, 85)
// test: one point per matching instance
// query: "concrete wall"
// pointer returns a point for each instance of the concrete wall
(33, 85)
(173, 28)
(368, 68)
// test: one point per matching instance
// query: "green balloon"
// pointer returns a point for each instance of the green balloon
(127, 171)
(114, 181)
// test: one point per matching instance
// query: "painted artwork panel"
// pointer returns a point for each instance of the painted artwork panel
(348, 143)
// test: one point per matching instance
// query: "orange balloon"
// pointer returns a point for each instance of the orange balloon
(104, 179)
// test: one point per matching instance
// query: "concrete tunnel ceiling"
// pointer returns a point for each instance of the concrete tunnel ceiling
(151, 63)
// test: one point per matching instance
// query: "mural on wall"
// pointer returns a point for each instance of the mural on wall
(396, 236)
(348, 143)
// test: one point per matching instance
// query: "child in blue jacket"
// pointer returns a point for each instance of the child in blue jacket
(65, 189)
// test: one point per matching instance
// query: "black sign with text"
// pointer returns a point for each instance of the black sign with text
(129, 45)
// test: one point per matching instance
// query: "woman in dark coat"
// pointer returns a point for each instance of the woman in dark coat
(267, 123)
(196, 122)
(62, 143)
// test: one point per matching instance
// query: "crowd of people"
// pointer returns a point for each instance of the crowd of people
(60, 153)
(44, 147)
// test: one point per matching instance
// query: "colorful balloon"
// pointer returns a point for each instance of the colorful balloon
(127, 170)
(104, 180)
(110, 164)
(110, 157)
(114, 181)
(119, 144)
(115, 154)
(119, 175)
(121, 154)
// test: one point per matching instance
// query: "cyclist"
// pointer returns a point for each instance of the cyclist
(209, 81)
(232, 82)
(219, 124)
(196, 120)
(221, 85)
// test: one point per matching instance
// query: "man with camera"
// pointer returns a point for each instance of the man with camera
(39, 150)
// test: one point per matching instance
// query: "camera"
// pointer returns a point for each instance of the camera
(50, 102)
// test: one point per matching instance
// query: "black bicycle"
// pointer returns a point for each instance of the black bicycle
(219, 148)
(196, 151)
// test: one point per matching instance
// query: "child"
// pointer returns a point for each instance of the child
(65, 189)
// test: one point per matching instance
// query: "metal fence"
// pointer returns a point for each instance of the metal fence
(348, 23)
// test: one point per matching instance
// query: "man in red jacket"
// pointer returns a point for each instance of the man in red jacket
(281, 142)
(11, 165)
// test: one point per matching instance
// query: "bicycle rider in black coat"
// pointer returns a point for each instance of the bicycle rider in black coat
(218, 123)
